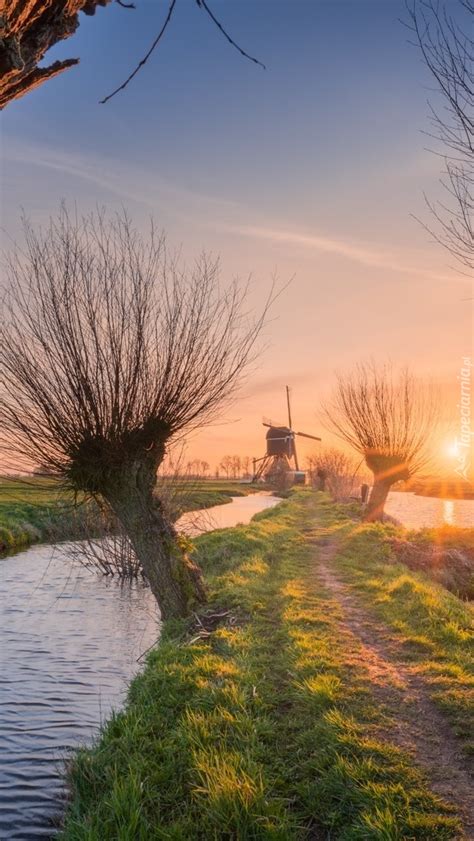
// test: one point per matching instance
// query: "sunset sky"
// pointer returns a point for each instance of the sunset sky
(311, 169)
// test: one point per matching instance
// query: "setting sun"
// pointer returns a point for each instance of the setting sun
(451, 449)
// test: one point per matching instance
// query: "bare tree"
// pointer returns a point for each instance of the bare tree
(236, 467)
(226, 465)
(29, 29)
(110, 350)
(246, 466)
(444, 34)
(389, 420)
(338, 469)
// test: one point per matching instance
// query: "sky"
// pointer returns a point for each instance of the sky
(311, 170)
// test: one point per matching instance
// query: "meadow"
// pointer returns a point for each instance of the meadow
(39, 509)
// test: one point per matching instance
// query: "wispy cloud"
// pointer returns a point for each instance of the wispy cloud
(364, 254)
(133, 183)
(127, 181)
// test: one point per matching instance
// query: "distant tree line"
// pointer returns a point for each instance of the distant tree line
(234, 467)
(229, 467)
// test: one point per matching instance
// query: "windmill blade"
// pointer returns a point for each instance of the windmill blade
(288, 405)
(305, 435)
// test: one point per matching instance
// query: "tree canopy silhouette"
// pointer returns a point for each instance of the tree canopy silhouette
(111, 349)
(389, 419)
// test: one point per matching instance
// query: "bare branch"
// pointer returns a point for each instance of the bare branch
(111, 350)
(29, 29)
(445, 39)
(389, 420)
(203, 4)
(145, 57)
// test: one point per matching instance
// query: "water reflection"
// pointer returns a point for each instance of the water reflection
(448, 512)
(424, 511)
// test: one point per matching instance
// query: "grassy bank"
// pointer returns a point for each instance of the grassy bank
(434, 627)
(39, 510)
(265, 727)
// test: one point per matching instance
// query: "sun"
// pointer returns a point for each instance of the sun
(452, 449)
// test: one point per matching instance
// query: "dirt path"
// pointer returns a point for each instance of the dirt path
(417, 726)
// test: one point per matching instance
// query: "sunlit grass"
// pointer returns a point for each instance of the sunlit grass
(434, 627)
(260, 731)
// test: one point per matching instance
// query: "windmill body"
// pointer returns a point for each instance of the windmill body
(281, 455)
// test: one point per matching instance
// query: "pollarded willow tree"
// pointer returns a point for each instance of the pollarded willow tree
(389, 419)
(110, 350)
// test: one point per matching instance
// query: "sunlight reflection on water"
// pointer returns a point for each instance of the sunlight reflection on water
(448, 512)
(424, 511)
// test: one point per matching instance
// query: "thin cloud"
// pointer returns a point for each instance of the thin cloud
(366, 255)
(124, 180)
(273, 384)
(134, 184)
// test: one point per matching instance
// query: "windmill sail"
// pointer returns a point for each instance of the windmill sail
(306, 435)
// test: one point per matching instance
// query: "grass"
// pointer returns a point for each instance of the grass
(264, 730)
(38, 509)
(445, 537)
(433, 625)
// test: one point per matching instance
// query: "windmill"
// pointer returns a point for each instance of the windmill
(281, 449)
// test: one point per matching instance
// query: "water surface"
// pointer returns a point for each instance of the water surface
(415, 512)
(69, 645)
(240, 510)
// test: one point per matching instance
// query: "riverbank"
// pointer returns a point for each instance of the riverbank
(39, 510)
(447, 488)
(322, 691)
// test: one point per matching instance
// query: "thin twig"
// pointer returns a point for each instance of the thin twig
(203, 5)
(147, 649)
(146, 57)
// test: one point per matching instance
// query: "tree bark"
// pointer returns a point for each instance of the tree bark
(174, 579)
(377, 500)
(28, 29)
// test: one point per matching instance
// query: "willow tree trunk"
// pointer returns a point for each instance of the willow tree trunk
(28, 29)
(377, 500)
(173, 578)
